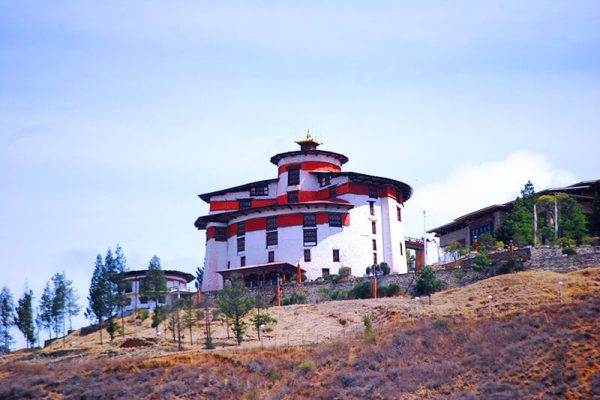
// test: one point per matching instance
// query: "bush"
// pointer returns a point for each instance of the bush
(362, 290)
(565, 242)
(459, 274)
(295, 298)
(344, 273)
(306, 366)
(589, 240)
(390, 290)
(141, 314)
(481, 262)
(339, 294)
(569, 251)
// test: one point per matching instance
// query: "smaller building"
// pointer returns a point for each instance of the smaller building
(177, 286)
(464, 230)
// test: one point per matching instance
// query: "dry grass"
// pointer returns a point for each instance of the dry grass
(532, 348)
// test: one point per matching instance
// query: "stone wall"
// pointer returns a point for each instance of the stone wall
(545, 258)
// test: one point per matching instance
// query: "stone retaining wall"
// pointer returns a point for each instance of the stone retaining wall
(544, 258)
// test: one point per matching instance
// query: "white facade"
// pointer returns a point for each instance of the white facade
(368, 207)
(177, 283)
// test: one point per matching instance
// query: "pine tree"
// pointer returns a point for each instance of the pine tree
(154, 286)
(6, 320)
(73, 306)
(59, 303)
(518, 225)
(45, 311)
(97, 299)
(234, 303)
(120, 284)
(24, 319)
(427, 283)
(572, 221)
(594, 219)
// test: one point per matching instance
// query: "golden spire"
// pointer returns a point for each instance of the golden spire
(309, 143)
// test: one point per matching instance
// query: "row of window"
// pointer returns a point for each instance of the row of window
(335, 255)
(309, 238)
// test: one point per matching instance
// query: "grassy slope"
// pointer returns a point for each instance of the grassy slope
(532, 348)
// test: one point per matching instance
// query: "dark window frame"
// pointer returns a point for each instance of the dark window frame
(241, 244)
(272, 223)
(309, 220)
(325, 272)
(325, 180)
(336, 255)
(371, 208)
(293, 175)
(259, 191)
(374, 244)
(399, 213)
(309, 237)
(307, 255)
(335, 219)
(242, 261)
(272, 238)
(271, 256)
(244, 204)
(374, 227)
(220, 233)
(293, 196)
(241, 228)
(373, 191)
(375, 258)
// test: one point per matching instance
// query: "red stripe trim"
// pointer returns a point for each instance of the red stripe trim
(311, 166)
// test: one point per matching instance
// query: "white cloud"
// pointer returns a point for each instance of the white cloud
(470, 187)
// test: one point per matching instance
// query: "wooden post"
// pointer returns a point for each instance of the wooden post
(375, 286)
(299, 275)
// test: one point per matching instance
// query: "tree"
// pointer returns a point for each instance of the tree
(261, 320)
(154, 286)
(158, 317)
(572, 222)
(427, 283)
(518, 225)
(45, 311)
(235, 304)
(189, 318)
(73, 308)
(59, 303)
(119, 284)
(198, 282)
(97, 299)
(6, 320)
(24, 317)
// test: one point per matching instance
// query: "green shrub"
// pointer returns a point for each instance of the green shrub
(362, 290)
(482, 261)
(306, 366)
(142, 314)
(440, 323)
(339, 294)
(344, 273)
(295, 298)
(589, 240)
(273, 376)
(390, 290)
(459, 274)
(569, 251)
(565, 242)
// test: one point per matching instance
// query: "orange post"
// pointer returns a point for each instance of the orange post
(375, 287)
(299, 275)
(198, 296)
(278, 295)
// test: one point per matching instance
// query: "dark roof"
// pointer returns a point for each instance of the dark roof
(201, 222)
(340, 157)
(276, 266)
(372, 179)
(188, 277)
(460, 222)
(206, 196)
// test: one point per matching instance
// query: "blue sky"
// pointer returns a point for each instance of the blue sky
(114, 115)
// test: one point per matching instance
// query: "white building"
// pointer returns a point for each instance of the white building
(313, 215)
(176, 286)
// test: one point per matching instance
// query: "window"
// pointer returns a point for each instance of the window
(336, 255)
(372, 207)
(241, 244)
(325, 272)
(306, 255)
(325, 180)
(292, 197)
(399, 213)
(374, 227)
(309, 220)
(221, 234)
(143, 300)
(374, 245)
(241, 228)
(242, 261)
(259, 191)
(271, 256)
(245, 204)
(373, 191)
(272, 238)
(271, 223)
(310, 237)
(401, 249)
(128, 302)
(161, 300)
(335, 219)
(332, 192)
(128, 287)
(374, 258)
(293, 176)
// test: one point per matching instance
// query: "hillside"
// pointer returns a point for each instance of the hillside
(533, 347)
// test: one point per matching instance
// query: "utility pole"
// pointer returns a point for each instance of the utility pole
(534, 224)
(555, 218)
(424, 238)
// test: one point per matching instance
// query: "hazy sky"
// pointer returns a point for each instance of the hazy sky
(114, 115)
